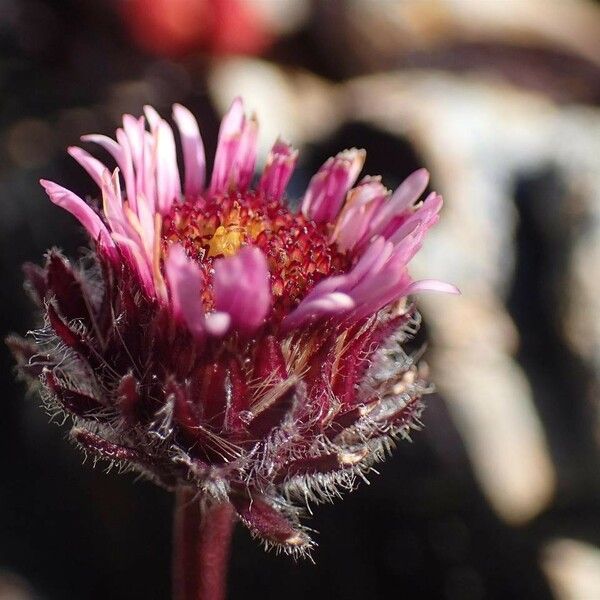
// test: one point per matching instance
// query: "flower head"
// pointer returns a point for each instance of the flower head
(218, 340)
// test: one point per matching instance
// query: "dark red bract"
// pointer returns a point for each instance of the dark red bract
(259, 421)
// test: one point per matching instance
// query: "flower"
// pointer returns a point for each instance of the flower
(214, 339)
(178, 28)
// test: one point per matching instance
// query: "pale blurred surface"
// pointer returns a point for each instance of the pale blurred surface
(500, 495)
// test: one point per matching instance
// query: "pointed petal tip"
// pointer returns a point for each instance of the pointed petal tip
(184, 118)
(91, 137)
(433, 285)
(152, 116)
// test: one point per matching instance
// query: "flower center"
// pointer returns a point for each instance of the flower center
(297, 250)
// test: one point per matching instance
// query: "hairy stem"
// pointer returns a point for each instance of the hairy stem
(201, 541)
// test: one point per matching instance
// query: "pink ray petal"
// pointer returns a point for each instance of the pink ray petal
(278, 170)
(132, 252)
(410, 190)
(194, 159)
(244, 163)
(378, 252)
(150, 169)
(112, 202)
(389, 285)
(147, 225)
(361, 205)
(152, 116)
(402, 199)
(235, 158)
(432, 285)
(108, 144)
(242, 288)
(229, 134)
(135, 129)
(328, 188)
(186, 283)
(94, 168)
(168, 185)
(332, 303)
(122, 157)
(80, 210)
(127, 169)
(425, 217)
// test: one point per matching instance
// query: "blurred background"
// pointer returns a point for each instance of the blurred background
(500, 495)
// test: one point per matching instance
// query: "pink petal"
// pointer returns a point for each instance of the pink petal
(406, 229)
(389, 285)
(168, 186)
(432, 285)
(328, 187)
(378, 278)
(244, 164)
(80, 210)
(236, 151)
(186, 283)
(93, 166)
(193, 150)
(410, 190)
(112, 202)
(108, 144)
(424, 217)
(127, 169)
(402, 199)
(278, 170)
(122, 157)
(146, 225)
(229, 132)
(361, 205)
(150, 169)
(377, 285)
(135, 131)
(333, 303)
(131, 251)
(152, 116)
(407, 248)
(372, 260)
(369, 265)
(242, 288)
(379, 251)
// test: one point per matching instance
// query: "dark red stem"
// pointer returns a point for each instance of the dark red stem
(201, 541)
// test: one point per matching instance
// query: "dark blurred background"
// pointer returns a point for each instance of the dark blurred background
(500, 495)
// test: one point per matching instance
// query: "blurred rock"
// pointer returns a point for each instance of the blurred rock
(478, 138)
(13, 587)
(573, 568)
(552, 46)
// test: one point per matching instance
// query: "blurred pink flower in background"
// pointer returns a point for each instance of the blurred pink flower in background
(179, 27)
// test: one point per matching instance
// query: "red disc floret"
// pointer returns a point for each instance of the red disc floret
(297, 250)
